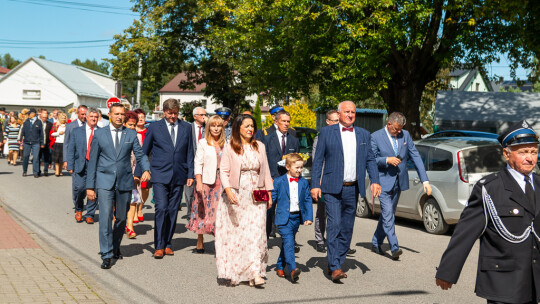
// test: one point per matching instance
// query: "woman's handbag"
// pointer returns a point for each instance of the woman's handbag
(261, 196)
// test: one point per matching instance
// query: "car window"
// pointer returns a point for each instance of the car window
(440, 160)
(484, 159)
(306, 141)
(423, 150)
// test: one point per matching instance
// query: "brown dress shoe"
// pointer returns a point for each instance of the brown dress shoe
(158, 254)
(168, 251)
(294, 274)
(337, 275)
(280, 273)
(78, 216)
(89, 220)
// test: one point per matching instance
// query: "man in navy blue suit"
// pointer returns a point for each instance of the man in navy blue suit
(77, 164)
(170, 141)
(278, 143)
(346, 153)
(392, 147)
(31, 135)
(110, 175)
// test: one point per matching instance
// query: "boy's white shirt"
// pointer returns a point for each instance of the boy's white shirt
(293, 195)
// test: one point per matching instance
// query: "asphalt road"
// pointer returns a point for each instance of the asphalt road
(45, 206)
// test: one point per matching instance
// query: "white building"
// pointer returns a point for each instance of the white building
(171, 90)
(470, 80)
(41, 83)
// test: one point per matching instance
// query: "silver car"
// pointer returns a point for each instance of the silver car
(453, 166)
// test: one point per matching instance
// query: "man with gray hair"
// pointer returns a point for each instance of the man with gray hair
(392, 147)
(199, 120)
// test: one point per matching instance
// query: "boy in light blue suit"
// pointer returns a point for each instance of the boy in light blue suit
(291, 195)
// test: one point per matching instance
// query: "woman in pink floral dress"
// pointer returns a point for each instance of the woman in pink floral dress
(208, 190)
(241, 249)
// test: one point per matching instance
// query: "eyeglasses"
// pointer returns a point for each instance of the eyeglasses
(201, 115)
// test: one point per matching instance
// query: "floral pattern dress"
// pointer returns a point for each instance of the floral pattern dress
(241, 248)
(203, 210)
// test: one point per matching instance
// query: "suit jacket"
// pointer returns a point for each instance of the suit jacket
(46, 130)
(273, 151)
(106, 169)
(76, 158)
(383, 148)
(69, 127)
(32, 133)
(231, 165)
(206, 162)
(195, 135)
(281, 197)
(170, 164)
(505, 270)
(330, 152)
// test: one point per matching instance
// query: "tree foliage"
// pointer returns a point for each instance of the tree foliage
(186, 108)
(301, 115)
(101, 67)
(8, 62)
(257, 113)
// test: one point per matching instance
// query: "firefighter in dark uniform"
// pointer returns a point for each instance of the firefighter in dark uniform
(225, 114)
(502, 212)
(273, 128)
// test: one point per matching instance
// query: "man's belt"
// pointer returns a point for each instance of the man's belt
(348, 184)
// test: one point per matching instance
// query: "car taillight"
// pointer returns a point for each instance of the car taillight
(462, 169)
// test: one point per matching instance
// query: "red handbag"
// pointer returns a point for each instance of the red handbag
(261, 196)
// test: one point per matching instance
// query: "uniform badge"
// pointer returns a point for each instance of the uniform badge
(525, 125)
(482, 181)
(515, 211)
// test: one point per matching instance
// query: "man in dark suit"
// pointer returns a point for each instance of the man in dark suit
(273, 111)
(109, 173)
(502, 212)
(278, 144)
(171, 144)
(45, 152)
(79, 122)
(393, 147)
(346, 154)
(199, 120)
(32, 137)
(77, 165)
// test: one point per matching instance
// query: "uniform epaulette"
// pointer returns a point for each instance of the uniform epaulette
(265, 132)
(488, 179)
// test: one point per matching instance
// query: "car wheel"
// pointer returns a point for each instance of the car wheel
(362, 208)
(433, 218)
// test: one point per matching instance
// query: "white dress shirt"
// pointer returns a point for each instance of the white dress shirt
(79, 122)
(175, 130)
(198, 128)
(293, 195)
(113, 134)
(280, 136)
(520, 178)
(349, 154)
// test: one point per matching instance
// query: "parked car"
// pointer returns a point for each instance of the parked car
(461, 133)
(453, 165)
(305, 137)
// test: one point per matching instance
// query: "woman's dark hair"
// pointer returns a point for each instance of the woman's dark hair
(236, 141)
(131, 115)
(139, 111)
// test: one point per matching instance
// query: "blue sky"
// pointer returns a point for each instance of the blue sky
(46, 20)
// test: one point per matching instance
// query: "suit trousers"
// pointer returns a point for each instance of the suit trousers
(270, 215)
(288, 234)
(340, 213)
(386, 226)
(78, 186)
(320, 222)
(110, 235)
(34, 148)
(167, 201)
(190, 192)
(45, 157)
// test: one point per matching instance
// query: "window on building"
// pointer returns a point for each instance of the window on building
(31, 94)
(203, 101)
(477, 87)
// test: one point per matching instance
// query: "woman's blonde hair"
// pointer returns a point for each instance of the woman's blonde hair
(60, 115)
(207, 134)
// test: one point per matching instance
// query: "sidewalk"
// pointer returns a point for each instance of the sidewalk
(32, 273)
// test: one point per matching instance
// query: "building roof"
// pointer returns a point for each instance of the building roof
(71, 76)
(458, 72)
(4, 70)
(173, 85)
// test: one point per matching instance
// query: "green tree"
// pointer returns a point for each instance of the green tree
(350, 49)
(102, 67)
(257, 113)
(186, 108)
(8, 62)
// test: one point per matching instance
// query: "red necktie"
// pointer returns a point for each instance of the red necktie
(293, 179)
(350, 129)
(199, 133)
(89, 142)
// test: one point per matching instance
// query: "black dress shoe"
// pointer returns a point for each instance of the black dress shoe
(321, 248)
(24, 174)
(296, 249)
(107, 264)
(377, 249)
(396, 254)
(46, 174)
(36, 175)
(200, 251)
(351, 251)
(117, 254)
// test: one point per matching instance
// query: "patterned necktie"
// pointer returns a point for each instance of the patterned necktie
(117, 141)
(173, 136)
(283, 144)
(394, 144)
(529, 192)
(89, 143)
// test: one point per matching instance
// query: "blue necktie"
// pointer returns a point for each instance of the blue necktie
(394, 144)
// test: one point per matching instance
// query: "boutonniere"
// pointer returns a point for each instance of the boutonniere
(404, 143)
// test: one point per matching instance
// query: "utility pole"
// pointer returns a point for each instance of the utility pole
(139, 84)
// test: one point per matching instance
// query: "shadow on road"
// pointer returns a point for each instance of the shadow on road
(397, 293)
